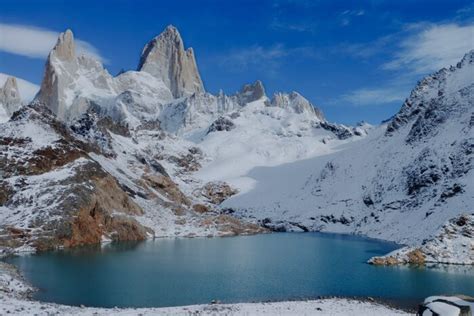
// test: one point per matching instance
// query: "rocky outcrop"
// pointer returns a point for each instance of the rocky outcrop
(419, 105)
(250, 93)
(53, 193)
(297, 103)
(454, 243)
(217, 192)
(10, 99)
(221, 124)
(165, 58)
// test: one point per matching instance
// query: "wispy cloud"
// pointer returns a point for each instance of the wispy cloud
(348, 15)
(415, 51)
(279, 23)
(261, 57)
(429, 47)
(371, 96)
(37, 42)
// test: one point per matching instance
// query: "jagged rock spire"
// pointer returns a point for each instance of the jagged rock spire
(10, 96)
(65, 48)
(251, 92)
(165, 57)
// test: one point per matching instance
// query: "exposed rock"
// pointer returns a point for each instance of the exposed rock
(200, 208)
(165, 57)
(413, 256)
(55, 81)
(53, 193)
(217, 192)
(341, 131)
(73, 84)
(230, 226)
(101, 217)
(297, 102)
(188, 162)
(422, 102)
(454, 243)
(167, 187)
(10, 99)
(250, 93)
(221, 124)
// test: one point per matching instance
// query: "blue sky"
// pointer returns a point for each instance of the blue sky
(356, 60)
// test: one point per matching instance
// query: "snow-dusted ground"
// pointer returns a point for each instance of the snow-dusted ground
(333, 307)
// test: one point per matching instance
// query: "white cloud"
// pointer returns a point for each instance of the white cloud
(375, 96)
(431, 47)
(36, 42)
(27, 89)
(348, 14)
(266, 58)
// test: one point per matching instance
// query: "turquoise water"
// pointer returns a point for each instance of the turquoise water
(281, 266)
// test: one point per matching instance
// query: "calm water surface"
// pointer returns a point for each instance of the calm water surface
(170, 272)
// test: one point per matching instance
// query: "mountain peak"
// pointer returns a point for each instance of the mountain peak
(10, 99)
(65, 48)
(297, 102)
(171, 30)
(251, 92)
(164, 57)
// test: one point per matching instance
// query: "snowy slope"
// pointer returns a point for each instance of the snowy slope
(401, 183)
(263, 135)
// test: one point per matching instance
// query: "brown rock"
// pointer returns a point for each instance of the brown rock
(167, 187)
(416, 257)
(200, 208)
(217, 192)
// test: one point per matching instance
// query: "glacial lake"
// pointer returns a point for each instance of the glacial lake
(279, 266)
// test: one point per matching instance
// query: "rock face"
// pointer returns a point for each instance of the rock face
(10, 99)
(221, 124)
(251, 92)
(297, 102)
(436, 86)
(165, 58)
(62, 197)
(73, 84)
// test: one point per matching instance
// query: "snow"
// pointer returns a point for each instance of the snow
(333, 307)
(263, 136)
(446, 305)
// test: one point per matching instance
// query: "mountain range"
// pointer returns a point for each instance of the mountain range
(149, 153)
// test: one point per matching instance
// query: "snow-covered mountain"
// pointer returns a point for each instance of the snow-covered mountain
(403, 182)
(151, 153)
